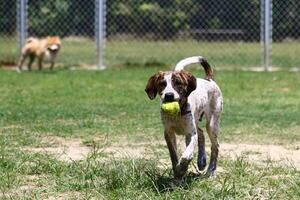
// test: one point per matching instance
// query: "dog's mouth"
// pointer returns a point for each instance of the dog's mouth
(53, 48)
(170, 101)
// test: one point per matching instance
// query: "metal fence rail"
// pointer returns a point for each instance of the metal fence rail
(230, 33)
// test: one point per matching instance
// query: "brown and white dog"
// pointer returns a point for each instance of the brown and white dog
(42, 48)
(196, 97)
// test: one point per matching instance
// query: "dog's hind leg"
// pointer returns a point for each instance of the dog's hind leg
(201, 162)
(40, 63)
(31, 60)
(212, 127)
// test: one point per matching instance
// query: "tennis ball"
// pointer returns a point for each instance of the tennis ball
(171, 108)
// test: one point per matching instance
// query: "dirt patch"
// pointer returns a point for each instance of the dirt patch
(73, 150)
(30, 183)
(262, 153)
(66, 195)
(64, 150)
(134, 149)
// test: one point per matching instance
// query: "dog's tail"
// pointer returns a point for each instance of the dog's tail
(193, 60)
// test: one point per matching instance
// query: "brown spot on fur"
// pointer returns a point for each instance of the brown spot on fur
(153, 87)
(184, 83)
(184, 80)
(208, 69)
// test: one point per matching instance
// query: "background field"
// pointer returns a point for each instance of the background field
(97, 112)
(78, 52)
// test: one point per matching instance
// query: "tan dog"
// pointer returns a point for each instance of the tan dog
(42, 48)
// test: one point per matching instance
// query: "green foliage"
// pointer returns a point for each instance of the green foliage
(61, 17)
(159, 19)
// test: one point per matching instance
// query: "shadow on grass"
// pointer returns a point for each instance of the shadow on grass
(47, 70)
(166, 182)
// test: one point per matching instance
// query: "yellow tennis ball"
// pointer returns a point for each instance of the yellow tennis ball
(171, 108)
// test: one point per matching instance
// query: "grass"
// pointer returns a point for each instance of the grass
(260, 108)
(228, 55)
(97, 101)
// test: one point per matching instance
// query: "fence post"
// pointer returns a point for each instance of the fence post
(100, 9)
(266, 34)
(21, 22)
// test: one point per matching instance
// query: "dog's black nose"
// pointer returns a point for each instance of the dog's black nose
(169, 97)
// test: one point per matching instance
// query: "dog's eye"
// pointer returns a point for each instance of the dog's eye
(162, 83)
(177, 82)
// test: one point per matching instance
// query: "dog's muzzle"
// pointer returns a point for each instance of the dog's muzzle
(53, 48)
(169, 97)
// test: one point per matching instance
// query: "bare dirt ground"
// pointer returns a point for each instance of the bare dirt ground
(73, 149)
(263, 153)
(64, 149)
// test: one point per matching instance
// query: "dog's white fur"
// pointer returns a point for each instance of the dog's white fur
(169, 88)
(206, 98)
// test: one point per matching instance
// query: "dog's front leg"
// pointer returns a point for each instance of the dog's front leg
(187, 156)
(172, 146)
(21, 62)
(52, 65)
(40, 63)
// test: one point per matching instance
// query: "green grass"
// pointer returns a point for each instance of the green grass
(96, 101)
(228, 55)
(259, 108)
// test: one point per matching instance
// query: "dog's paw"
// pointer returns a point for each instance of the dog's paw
(210, 174)
(181, 168)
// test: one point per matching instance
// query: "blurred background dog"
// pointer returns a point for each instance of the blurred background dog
(46, 48)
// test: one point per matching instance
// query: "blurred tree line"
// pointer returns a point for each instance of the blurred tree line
(162, 19)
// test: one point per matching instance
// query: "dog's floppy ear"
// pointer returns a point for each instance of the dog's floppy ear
(191, 82)
(151, 87)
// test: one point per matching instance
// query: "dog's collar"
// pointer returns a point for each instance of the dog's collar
(185, 109)
(185, 112)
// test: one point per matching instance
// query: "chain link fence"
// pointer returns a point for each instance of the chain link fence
(8, 34)
(227, 32)
(286, 33)
(154, 32)
(74, 21)
(71, 20)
